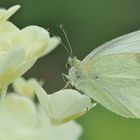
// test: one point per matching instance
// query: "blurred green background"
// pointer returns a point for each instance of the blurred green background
(88, 24)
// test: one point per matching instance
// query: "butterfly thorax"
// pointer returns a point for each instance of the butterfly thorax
(75, 71)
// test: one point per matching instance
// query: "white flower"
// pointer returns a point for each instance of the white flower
(64, 105)
(20, 48)
(21, 119)
(35, 40)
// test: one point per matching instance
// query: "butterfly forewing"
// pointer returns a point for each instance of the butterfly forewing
(114, 82)
(129, 43)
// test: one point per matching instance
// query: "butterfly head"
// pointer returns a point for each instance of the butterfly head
(72, 62)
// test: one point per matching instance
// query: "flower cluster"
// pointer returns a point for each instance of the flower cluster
(21, 118)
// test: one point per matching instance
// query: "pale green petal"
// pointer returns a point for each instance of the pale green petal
(13, 65)
(24, 87)
(33, 39)
(12, 128)
(68, 131)
(5, 14)
(53, 43)
(4, 46)
(22, 109)
(7, 31)
(19, 71)
(9, 62)
(63, 105)
(13, 59)
(43, 119)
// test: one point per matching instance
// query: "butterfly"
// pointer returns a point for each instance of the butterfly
(110, 75)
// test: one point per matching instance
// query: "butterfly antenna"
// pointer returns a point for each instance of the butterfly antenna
(70, 48)
(67, 50)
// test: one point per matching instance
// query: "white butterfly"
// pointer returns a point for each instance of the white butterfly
(110, 75)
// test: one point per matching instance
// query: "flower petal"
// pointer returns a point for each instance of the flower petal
(63, 105)
(33, 39)
(5, 14)
(24, 87)
(53, 43)
(22, 109)
(7, 31)
(68, 131)
(13, 65)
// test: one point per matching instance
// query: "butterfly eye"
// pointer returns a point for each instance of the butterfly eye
(68, 66)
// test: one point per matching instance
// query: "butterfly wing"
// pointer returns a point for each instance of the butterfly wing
(114, 82)
(124, 44)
